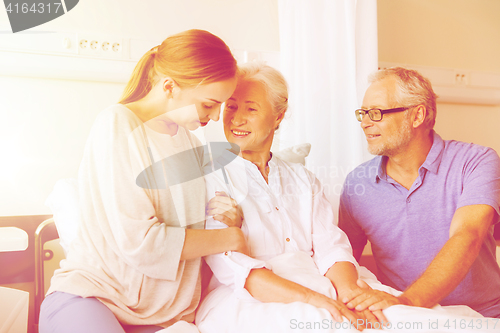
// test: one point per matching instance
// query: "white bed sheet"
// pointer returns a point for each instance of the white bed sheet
(242, 313)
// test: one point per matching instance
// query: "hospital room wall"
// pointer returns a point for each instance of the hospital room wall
(460, 34)
(45, 122)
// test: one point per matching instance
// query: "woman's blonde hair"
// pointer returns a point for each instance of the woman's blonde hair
(273, 81)
(190, 58)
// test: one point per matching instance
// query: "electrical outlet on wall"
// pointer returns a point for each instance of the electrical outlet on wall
(461, 78)
(101, 46)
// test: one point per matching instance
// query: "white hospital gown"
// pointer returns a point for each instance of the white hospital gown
(290, 229)
(290, 214)
(288, 223)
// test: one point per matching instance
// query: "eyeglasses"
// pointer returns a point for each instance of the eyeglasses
(376, 114)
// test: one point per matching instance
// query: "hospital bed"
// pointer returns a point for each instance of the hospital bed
(45, 232)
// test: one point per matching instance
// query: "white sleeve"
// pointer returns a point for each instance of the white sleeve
(230, 268)
(330, 244)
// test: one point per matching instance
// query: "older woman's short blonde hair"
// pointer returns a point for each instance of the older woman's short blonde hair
(273, 81)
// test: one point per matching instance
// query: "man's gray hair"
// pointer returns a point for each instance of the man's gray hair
(411, 89)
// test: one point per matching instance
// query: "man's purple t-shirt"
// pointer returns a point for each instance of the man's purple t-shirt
(407, 228)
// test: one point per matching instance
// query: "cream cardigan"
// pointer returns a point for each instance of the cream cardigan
(128, 250)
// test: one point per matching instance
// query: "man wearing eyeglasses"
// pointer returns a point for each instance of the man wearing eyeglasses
(426, 205)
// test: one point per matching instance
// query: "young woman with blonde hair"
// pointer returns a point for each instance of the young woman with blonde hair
(135, 264)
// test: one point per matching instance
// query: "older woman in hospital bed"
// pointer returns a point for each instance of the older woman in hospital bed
(300, 262)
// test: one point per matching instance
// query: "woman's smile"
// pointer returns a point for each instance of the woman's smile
(240, 133)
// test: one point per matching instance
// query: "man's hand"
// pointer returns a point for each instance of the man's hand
(225, 209)
(366, 298)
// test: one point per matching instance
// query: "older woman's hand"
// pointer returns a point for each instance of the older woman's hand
(225, 209)
(337, 309)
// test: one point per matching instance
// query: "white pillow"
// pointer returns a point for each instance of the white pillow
(295, 154)
(63, 201)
